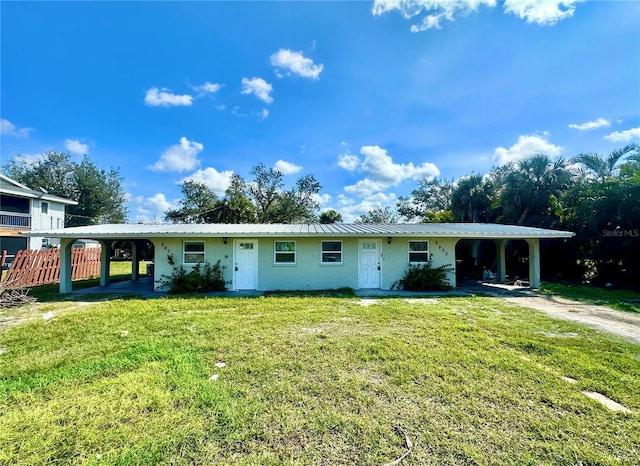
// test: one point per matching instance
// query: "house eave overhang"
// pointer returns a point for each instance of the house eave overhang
(456, 231)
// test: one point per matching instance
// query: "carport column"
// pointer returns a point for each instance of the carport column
(475, 252)
(534, 262)
(105, 261)
(501, 248)
(135, 261)
(66, 245)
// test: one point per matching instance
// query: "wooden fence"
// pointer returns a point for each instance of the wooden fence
(38, 267)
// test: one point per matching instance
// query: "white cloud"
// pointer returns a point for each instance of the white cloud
(296, 63)
(217, 181)
(151, 209)
(30, 159)
(287, 168)
(543, 12)
(179, 157)
(379, 165)
(9, 129)
(264, 114)
(433, 12)
(365, 187)
(322, 199)
(351, 210)
(259, 87)
(158, 203)
(599, 123)
(381, 172)
(76, 147)
(348, 161)
(207, 88)
(526, 146)
(624, 136)
(164, 98)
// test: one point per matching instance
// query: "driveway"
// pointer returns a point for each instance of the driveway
(623, 324)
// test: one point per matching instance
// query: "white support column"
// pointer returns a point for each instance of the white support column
(66, 245)
(105, 262)
(475, 252)
(501, 250)
(534, 262)
(135, 261)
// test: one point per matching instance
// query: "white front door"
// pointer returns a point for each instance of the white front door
(369, 263)
(245, 273)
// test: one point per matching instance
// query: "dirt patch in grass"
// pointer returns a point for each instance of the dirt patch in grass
(12, 317)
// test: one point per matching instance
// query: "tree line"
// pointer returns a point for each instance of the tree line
(596, 197)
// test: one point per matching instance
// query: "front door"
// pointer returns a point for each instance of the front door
(245, 274)
(369, 263)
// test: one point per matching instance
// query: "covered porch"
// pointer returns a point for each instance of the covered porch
(487, 259)
(136, 246)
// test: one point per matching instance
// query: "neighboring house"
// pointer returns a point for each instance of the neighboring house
(305, 257)
(23, 209)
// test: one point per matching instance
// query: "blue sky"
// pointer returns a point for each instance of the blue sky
(368, 96)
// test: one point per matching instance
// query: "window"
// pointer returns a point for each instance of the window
(418, 252)
(332, 252)
(193, 252)
(44, 206)
(284, 252)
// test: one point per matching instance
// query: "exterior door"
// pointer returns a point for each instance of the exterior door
(369, 263)
(245, 274)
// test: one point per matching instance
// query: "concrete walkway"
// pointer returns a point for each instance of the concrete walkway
(143, 288)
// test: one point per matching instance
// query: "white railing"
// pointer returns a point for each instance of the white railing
(15, 220)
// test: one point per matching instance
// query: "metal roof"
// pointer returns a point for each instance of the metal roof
(452, 230)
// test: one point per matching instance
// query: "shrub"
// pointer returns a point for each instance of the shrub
(201, 279)
(426, 277)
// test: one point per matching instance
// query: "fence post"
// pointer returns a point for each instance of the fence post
(3, 258)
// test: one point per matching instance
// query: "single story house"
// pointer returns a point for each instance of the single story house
(303, 256)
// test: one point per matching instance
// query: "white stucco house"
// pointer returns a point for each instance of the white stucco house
(305, 256)
(24, 209)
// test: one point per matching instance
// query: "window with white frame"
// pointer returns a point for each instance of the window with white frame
(193, 252)
(331, 252)
(44, 207)
(418, 252)
(284, 252)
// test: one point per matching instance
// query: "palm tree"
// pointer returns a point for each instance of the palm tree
(600, 167)
(529, 190)
(471, 199)
(330, 216)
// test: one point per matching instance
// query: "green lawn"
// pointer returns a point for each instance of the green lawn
(622, 300)
(312, 380)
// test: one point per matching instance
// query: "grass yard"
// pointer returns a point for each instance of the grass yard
(622, 300)
(313, 380)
